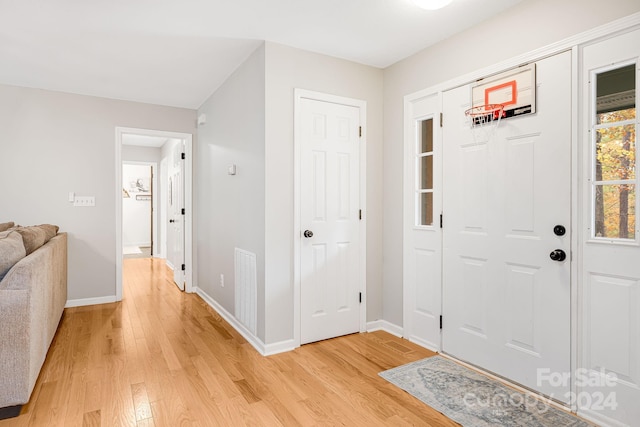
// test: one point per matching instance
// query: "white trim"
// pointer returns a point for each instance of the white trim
(575, 229)
(90, 301)
(262, 348)
(154, 196)
(188, 183)
(299, 94)
(383, 325)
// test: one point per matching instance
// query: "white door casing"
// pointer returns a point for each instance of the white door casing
(610, 282)
(423, 243)
(331, 272)
(506, 304)
(188, 218)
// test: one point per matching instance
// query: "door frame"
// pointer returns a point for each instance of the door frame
(188, 191)
(300, 94)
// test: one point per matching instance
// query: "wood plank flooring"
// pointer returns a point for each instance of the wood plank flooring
(165, 358)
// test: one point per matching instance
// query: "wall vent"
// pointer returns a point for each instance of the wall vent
(246, 290)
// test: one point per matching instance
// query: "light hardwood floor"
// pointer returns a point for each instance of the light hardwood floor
(165, 358)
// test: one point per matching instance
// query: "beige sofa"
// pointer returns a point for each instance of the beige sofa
(33, 294)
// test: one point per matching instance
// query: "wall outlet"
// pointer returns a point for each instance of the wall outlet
(222, 280)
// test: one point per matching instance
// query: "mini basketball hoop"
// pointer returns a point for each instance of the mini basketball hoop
(485, 119)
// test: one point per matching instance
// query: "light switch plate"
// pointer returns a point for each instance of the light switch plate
(84, 201)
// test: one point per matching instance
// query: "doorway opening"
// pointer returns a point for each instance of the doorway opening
(166, 229)
(139, 209)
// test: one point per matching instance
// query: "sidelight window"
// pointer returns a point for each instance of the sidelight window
(424, 172)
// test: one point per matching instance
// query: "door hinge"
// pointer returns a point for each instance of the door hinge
(183, 211)
(441, 119)
(440, 220)
(360, 215)
(360, 298)
(360, 131)
(441, 321)
(184, 267)
(183, 156)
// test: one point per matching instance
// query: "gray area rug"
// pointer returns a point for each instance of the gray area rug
(472, 399)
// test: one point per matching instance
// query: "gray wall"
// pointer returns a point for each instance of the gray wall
(286, 69)
(52, 143)
(230, 209)
(514, 32)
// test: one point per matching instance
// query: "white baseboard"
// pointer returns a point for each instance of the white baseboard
(262, 348)
(383, 325)
(90, 301)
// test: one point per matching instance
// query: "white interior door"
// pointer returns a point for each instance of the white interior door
(329, 219)
(610, 285)
(175, 199)
(506, 303)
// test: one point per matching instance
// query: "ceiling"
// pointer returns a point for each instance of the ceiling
(178, 52)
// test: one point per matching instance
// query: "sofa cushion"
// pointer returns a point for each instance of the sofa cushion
(35, 236)
(4, 226)
(11, 250)
(50, 231)
(32, 236)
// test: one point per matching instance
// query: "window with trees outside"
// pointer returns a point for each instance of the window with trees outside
(614, 154)
(424, 172)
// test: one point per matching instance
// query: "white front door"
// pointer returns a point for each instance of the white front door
(175, 199)
(610, 282)
(506, 303)
(329, 218)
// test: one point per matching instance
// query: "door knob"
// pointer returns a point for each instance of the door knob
(558, 255)
(559, 230)
(172, 220)
(308, 233)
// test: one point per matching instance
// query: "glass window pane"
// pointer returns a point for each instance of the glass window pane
(426, 173)
(616, 94)
(615, 153)
(616, 116)
(426, 208)
(426, 136)
(615, 214)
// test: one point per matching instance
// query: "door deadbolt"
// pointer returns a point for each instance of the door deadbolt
(559, 230)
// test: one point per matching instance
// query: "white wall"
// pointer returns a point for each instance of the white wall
(136, 213)
(134, 153)
(52, 143)
(512, 33)
(231, 208)
(286, 69)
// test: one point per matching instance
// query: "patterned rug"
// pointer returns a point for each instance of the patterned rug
(472, 399)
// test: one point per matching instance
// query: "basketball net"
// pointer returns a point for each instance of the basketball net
(485, 119)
